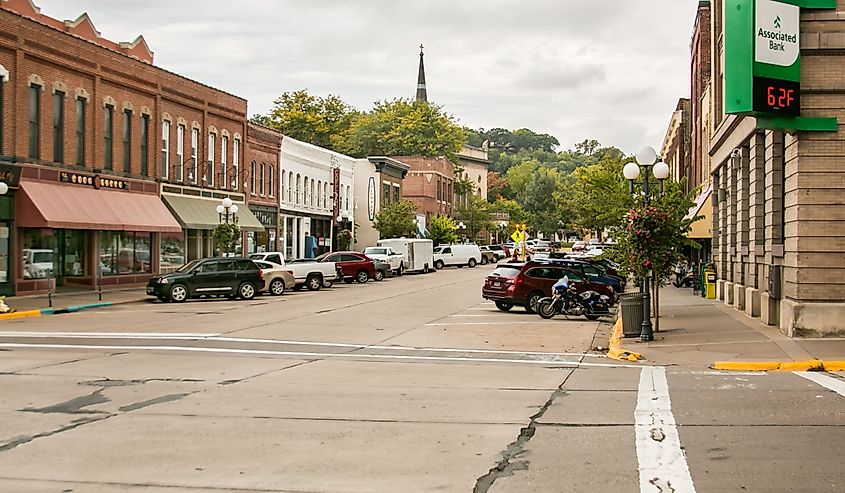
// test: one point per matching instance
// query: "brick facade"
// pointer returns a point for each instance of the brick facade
(263, 148)
(429, 184)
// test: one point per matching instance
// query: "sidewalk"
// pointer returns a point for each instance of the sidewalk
(76, 299)
(698, 332)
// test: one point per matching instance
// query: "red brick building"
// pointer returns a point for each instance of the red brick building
(263, 149)
(429, 184)
(93, 137)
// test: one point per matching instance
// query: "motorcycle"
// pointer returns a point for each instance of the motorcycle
(589, 303)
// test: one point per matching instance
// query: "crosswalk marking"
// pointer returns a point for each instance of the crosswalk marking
(663, 466)
(825, 381)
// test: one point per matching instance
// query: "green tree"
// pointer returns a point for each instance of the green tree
(404, 127)
(475, 215)
(598, 195)
(396, 220)
(442, 230)
(542, 200)
(226, 236)
(313, 119)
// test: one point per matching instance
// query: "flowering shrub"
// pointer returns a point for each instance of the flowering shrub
(648, 240)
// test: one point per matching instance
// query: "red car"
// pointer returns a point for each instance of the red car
(353, 266)
(524, 284)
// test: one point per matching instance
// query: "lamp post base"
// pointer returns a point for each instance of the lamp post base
(646, 333)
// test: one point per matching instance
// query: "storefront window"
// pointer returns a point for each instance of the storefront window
(38, 249)
(172, 251)
(72, 252)
(125, 252)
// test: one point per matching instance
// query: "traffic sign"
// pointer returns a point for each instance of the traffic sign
(518, 236)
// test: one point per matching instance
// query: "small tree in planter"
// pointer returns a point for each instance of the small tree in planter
(344, 239)
(226, 236)
(442, 230)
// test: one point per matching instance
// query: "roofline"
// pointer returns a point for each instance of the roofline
(399, 165)
(128, 57)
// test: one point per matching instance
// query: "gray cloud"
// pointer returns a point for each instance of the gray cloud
(612, 70)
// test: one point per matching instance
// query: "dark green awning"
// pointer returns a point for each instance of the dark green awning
(200, 213)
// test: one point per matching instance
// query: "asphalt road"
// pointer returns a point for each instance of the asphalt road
(411, 384)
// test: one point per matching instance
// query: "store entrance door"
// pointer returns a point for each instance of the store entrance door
(70, 269)
(6, 279)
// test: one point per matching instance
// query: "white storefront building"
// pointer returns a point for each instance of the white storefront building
(316, 199)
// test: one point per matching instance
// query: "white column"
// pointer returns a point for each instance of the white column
(284, 234)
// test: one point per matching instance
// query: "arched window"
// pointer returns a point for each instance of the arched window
(305, 191)
(319, 193)
(261, 180)
(312, 193)
(252, 177)
(282, 184)
(271, 186)
(325, 195)
(298, 188)
(347, 198)
(290, 187)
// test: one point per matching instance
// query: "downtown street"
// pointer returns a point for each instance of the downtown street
(411, 384)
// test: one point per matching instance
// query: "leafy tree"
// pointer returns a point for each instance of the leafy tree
(442, 230)
(313, 119)
(519, 176)
(475, 214)
(497, 186)
(541, 200)
(396, 220)
(226, 236)
(344, 239)
(515, 211)
(404, 127)
(598, 195)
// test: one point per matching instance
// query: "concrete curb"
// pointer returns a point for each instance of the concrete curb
(615, 349)
(67, 309)
(810, 365)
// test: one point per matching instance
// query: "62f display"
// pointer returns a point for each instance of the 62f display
(779, 97)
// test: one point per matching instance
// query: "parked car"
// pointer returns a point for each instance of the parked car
(220, 276)
(307, 272)
(352, 266)
(389, 255)
(524, 284)
(487, 256)
(591, 271)
(579, 246)
(383, 269)
(277, 278)
(418, 253)
(499, 250)
(458, 255)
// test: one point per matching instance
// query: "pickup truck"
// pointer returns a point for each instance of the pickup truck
(306, 272)
(387, 254)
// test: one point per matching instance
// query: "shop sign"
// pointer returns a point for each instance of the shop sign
(336, 193)
(95, 181)
(266, 218)
(371, 199)
(10, 175)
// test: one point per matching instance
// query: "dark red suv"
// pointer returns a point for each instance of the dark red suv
(353, 266)
(524, 284)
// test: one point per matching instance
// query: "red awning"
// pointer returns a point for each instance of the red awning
(51, 205)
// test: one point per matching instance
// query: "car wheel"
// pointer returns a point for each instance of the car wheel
(327, 283)
(277, 287)
(483, 260)
(472, 263)
(246, 291)
(401, 268)
(361, 277)
(178, 293)
(533, 301)
(314, 282)
(504, 306)
(379, 276)
(438, 264)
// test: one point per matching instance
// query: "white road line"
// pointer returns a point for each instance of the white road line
(491, 314)
(663, 466)
(825, 381)
(485, 323)
(550, 362)
(214, 337)
(113, 335)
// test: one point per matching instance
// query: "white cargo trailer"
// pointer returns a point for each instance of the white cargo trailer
(419, 253)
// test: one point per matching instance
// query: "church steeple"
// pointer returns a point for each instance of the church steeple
(421, 94)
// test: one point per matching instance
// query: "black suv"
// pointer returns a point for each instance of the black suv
(227, 276)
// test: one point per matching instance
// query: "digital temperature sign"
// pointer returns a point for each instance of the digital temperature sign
(775, 96)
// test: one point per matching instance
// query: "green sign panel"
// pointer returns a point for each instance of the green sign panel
(763, 61)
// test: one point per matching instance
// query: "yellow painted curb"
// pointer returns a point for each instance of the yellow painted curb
(615, 350)
(833, 365)
(810, 365)
(24, 314)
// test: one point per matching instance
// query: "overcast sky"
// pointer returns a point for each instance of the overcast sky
(610, 70)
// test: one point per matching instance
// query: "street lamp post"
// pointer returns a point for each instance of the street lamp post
(648, 160)
(226, 209)
(462, 227)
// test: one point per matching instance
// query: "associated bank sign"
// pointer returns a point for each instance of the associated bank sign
(777, 27)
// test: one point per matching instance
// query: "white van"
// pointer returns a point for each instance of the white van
(459, 255)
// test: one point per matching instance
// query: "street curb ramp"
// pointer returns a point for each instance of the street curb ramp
(809, 365)
(67, 309)
(614, 345)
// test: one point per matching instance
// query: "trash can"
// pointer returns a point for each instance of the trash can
(632, 314)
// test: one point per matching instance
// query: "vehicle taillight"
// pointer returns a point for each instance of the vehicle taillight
(518, 280)
(290, 272)
(260, 275)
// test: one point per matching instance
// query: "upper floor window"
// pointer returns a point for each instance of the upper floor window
(325, 195)
(261, 181)
(127, 141)
(224, 151)
(298, 188)
(252, 177)
(35, 121)
(108, 137)
(236, 163)
(209, 172)
(195, 142)
(165, 149)
(4, 75)
(81, 109)
(312, 193)
(145, 144)
(58, 127)
(270, 184)
(319, 193)
(180, 152)
(282, 186)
